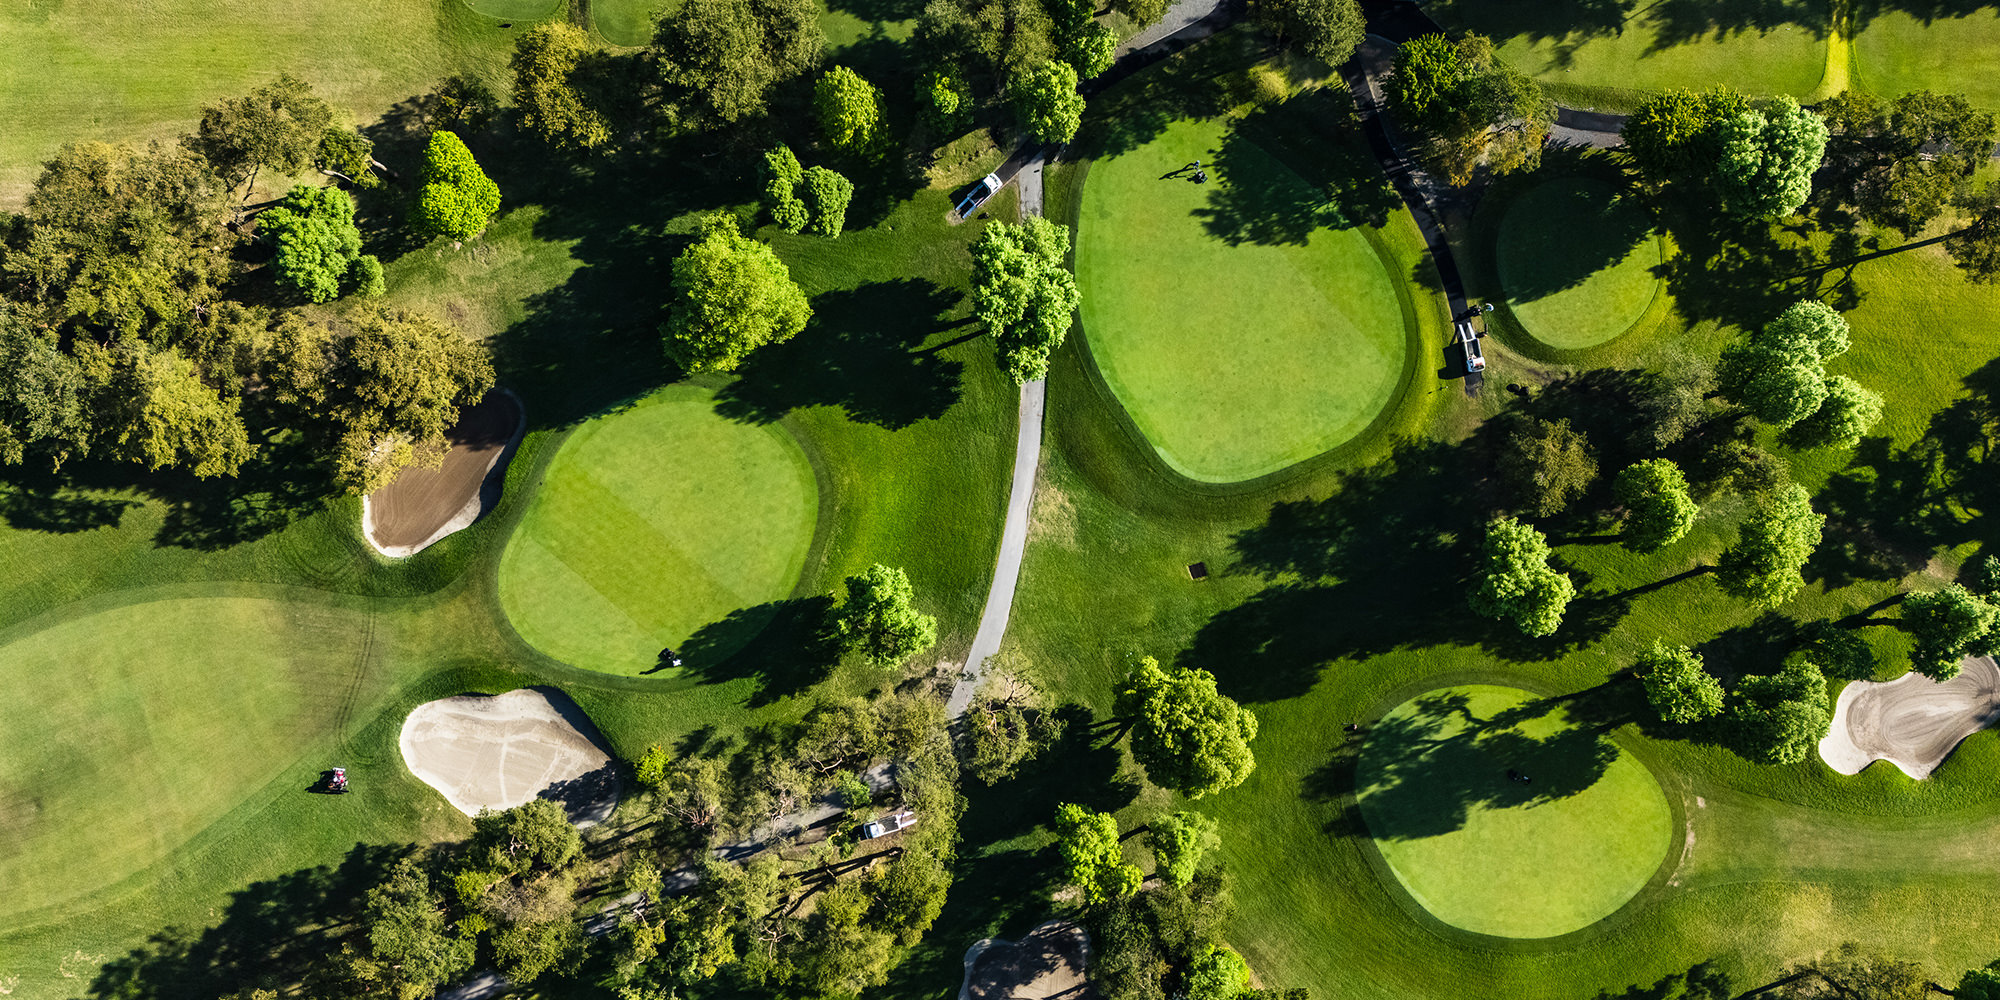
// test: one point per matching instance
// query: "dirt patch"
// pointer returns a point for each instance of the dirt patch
(423, 505)
(1047, 963)
(1912, 722)
(499, 751)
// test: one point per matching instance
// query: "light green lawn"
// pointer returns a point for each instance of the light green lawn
(1577, 262)
(1896, 53)
(1235, 361)
(652, 523)
(510, 10)
(1492, 855)
(628, 22)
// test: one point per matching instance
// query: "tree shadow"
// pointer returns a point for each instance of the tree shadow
(1288, 170)
(1701, 981)
(782, 645)
(863, 351)
(1592, 234)
(62, 510)
(1194, 84)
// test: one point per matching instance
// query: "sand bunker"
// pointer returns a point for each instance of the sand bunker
(423, 505)
(1912, 722)
(498, 752)
(1047, 963)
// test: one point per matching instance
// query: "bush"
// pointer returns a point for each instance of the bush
(1217, 974)
(827, 196)
(781, 181)
(944, 100)
(457, 199)
(849, 109)
(1678, 686)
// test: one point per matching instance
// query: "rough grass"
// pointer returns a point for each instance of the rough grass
(1242, 334)
(511, 10)
(652, 523)
(1896, 53)
(1486, 853)
(1577, 262)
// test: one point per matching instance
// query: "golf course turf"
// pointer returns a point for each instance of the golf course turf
(1238, 349)
(651, 523)
(627, 22)
(1501, 817)
(1577, 262)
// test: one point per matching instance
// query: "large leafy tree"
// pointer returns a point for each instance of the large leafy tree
(547, 95)
(827, 196)
(1658, 509)
(1092, 858)
(456, 199)
(1766, 159)
(48, 397)
(944, 101)
(880, 618)
(1190, 737)
(1467, 106)
(279, 127)
(1847, 412)
(730, 295)
(997, 39)
(1780, 718)
(533, 837)
(1947, 626)
(1023, 292)
(1085, 44)
(1902, 162)
(1179, 840)
(1141, 12)
(1216, 973)
(1779, 374)
(1327, 30)
(1515, 582)
(410, 937)
(1775, 541)
(1678, 685)
(719, 59)
(782, 175)
(318, 249)
(1676, 134)
(1046, 102)
(1547, 464)
(849, 109)
(171, 417)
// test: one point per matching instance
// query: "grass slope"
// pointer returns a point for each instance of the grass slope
(1237, 352)
(651, 523)
(1577, 262)
(1489, 854)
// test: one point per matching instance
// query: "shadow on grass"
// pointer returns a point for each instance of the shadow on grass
(1289, 169)
(1567, 237)
(863, 351)
(782, 645)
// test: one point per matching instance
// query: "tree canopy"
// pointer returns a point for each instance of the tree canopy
(1766, 159)
(1780, 718)
(456, 199)
(1843, 417)
(1676, 134)
(827, 197)
(410, 936)
(849, 109)
(1190, 737)
(1179, 840)
(1678, 685)
(1515, 583)
(318, 249)
(880, 618)
(1948, 625)
(1775, 541)
(1092, 858)
(719, 59)
(1085, 44)
(1046, 103)
(1779, 374)
(1217, 973)
(1658, 509)
(1327, 30)
(730, 295)
(279, 126)
(1901, 162)
(944, 101)
(1467, 106)
(1547, 464)
(1023, 292)
(547, 96)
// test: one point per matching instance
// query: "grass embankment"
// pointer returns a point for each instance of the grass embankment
(1244, 326)
(1577, 262)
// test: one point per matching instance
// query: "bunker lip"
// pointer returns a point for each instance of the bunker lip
(501, 751)
(423, 505)
(1912, 722)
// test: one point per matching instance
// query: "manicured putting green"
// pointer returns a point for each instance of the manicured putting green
(1578, 262)
(1482, 850)
(654, 525)
(628, 22)
(515, 10)
(1235, 361)
(131, 730)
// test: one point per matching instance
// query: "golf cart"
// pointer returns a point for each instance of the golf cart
(892, 823)
(977, 196)
(336, 781)
(1475, 360)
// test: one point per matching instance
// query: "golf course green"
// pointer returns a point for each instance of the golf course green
(1577, 262)
(1236, 353)
(627, 22)
(1502, 817)
(652, 523)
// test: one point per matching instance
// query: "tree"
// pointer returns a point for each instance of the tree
(1179, 840)
(1676, 134)
(650, 770)
(408, 933)
(1085, 44)
(1766, 159)
(1327, 30)
(1189, 737)
(1780, 718)
(1218, 973)
(1006, 725)
(719, 59)
(47, 396)
(456, 199)
(318, 248)
(173, 419)
(880, 618)
(1779, 375)
(1843, 417)
(278, 126)
(1046, 103)
(1466, 106)
(1141, 12)
(533, 837)
(1515, 583)
(546, 61)
(1901, 162)
(827, 196)
(1678, 686)
(1548, 465)
(730, 295)
(1658, 510)
(1775, 541)
(944, 101)
(1979, 984)
(1947, 626)
(1976, 248)
(348, 155)
(1092, 859)
(849, 109)
(782, 175)
(1023, 292)
(1850, 974)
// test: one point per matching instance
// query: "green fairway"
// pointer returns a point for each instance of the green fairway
(628, 22)
(1896, 53)
(511, 10)
(1242, 332)
(1577, 262)
(653, 523)
(1439, 785)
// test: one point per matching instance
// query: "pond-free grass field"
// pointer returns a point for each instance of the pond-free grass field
(1503, 817)
(1243, 329)
(653, 522)
(628, 22)
(1577, 261)
(1897, 52)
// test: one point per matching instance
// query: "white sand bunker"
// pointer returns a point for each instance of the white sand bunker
(1046, 964)
(1912, 722)
(501, 751)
